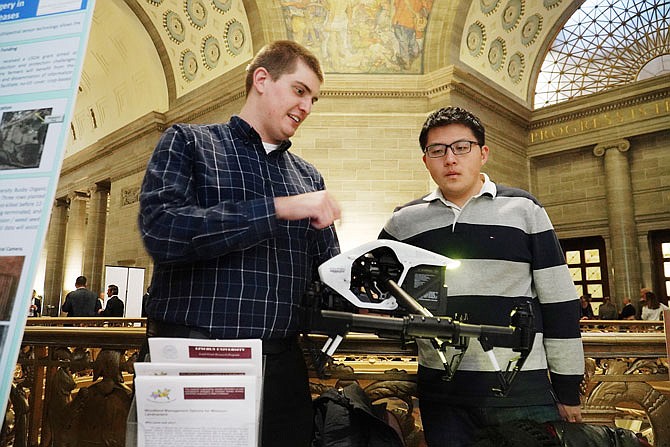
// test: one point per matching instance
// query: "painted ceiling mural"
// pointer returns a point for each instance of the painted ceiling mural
(361, 36)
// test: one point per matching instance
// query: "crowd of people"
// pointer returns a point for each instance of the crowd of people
(82, 302)
(650, 308)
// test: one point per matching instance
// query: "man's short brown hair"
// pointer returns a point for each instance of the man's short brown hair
(281, 57)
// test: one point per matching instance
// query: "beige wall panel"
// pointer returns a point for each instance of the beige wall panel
(571, 187)
(650, 170)
(123, 244)
(370, 160)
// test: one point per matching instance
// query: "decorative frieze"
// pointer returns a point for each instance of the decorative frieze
(130, 195)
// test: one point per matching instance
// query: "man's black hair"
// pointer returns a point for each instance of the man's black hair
(452, 115)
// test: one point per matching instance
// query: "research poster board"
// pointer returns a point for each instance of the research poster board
(42, 48)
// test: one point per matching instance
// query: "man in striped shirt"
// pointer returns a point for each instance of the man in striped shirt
(237, 225)
(509, 254)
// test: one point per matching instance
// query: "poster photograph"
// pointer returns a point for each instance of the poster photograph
(22, 136)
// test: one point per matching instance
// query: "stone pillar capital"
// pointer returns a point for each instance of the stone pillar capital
(61, 202)
(621, 145)
(100, 187)
(78, 195)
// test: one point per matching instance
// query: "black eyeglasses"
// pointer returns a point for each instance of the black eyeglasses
(439, 150)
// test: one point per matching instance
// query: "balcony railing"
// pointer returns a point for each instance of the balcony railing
(72, 384)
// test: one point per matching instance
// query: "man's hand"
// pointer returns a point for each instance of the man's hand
(318, 206)
(570, 413)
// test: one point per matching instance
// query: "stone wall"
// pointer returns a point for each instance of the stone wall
(363, 137)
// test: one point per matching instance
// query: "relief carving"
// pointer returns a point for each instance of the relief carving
(130, 195)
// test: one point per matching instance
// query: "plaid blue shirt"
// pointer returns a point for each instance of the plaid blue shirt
(223, 261)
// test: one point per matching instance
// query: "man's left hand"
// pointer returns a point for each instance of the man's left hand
(570, 413)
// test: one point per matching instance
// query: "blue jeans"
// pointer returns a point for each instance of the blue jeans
(452, 426)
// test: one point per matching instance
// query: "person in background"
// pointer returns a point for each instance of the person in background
(237, 225)
(509, 254)
(652, 309)
(114, 306)
(642, 302)
(145, 299)
(586, 309)
(607, 310)
(81, 302)
(628, 311)
(35, 308)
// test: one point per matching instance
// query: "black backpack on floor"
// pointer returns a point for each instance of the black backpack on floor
(345, 417)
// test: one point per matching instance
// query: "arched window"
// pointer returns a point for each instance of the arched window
(606, 43)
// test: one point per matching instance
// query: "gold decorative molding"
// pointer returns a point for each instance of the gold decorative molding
(586, 121)
(658, 100)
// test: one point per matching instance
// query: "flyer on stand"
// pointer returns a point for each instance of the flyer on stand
(198, 411)
(201, 369)
(193, 350)
(194, 369)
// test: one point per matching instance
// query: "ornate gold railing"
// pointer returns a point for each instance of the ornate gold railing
(72, 382)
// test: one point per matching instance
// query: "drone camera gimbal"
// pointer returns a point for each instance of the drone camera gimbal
(377, 276)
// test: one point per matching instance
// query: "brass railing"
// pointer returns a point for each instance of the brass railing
(72, 383)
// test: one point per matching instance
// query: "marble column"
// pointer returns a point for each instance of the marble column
(53, 277)
(625, 262)
(74, 240)
(94, 252)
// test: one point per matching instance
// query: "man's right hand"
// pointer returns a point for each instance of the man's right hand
(319, 207)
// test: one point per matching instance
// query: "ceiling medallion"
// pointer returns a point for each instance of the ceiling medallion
(196, 11)
(234, 37)
(488, 6)
(174, 26)
(222, 6)
(476, 38)
(188, 65)
(511, 15)
(531, 29)
(549, 4)
(497, 53)
(515, 67)
(210, 52)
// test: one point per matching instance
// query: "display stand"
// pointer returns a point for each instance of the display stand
(197, 392)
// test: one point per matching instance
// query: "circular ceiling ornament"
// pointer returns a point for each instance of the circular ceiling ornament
(488, 6)
(531, 29)
(174, 26)
(210, 52)
(511, 15)
(515, 67)
(549, 4)
(188, 65)
(222, 6)
(234, 37)
(497, 53)
(196, 11)
(475, 39)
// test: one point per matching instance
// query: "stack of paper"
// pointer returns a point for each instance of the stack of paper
(199, 393)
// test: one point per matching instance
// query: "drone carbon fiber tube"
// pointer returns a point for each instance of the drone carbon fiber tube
(412, 325)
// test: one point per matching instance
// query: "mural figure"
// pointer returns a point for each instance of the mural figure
(409, 24)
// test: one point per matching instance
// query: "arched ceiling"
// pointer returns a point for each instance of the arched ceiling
(144, 55)
(503, 39)
(122, 78)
